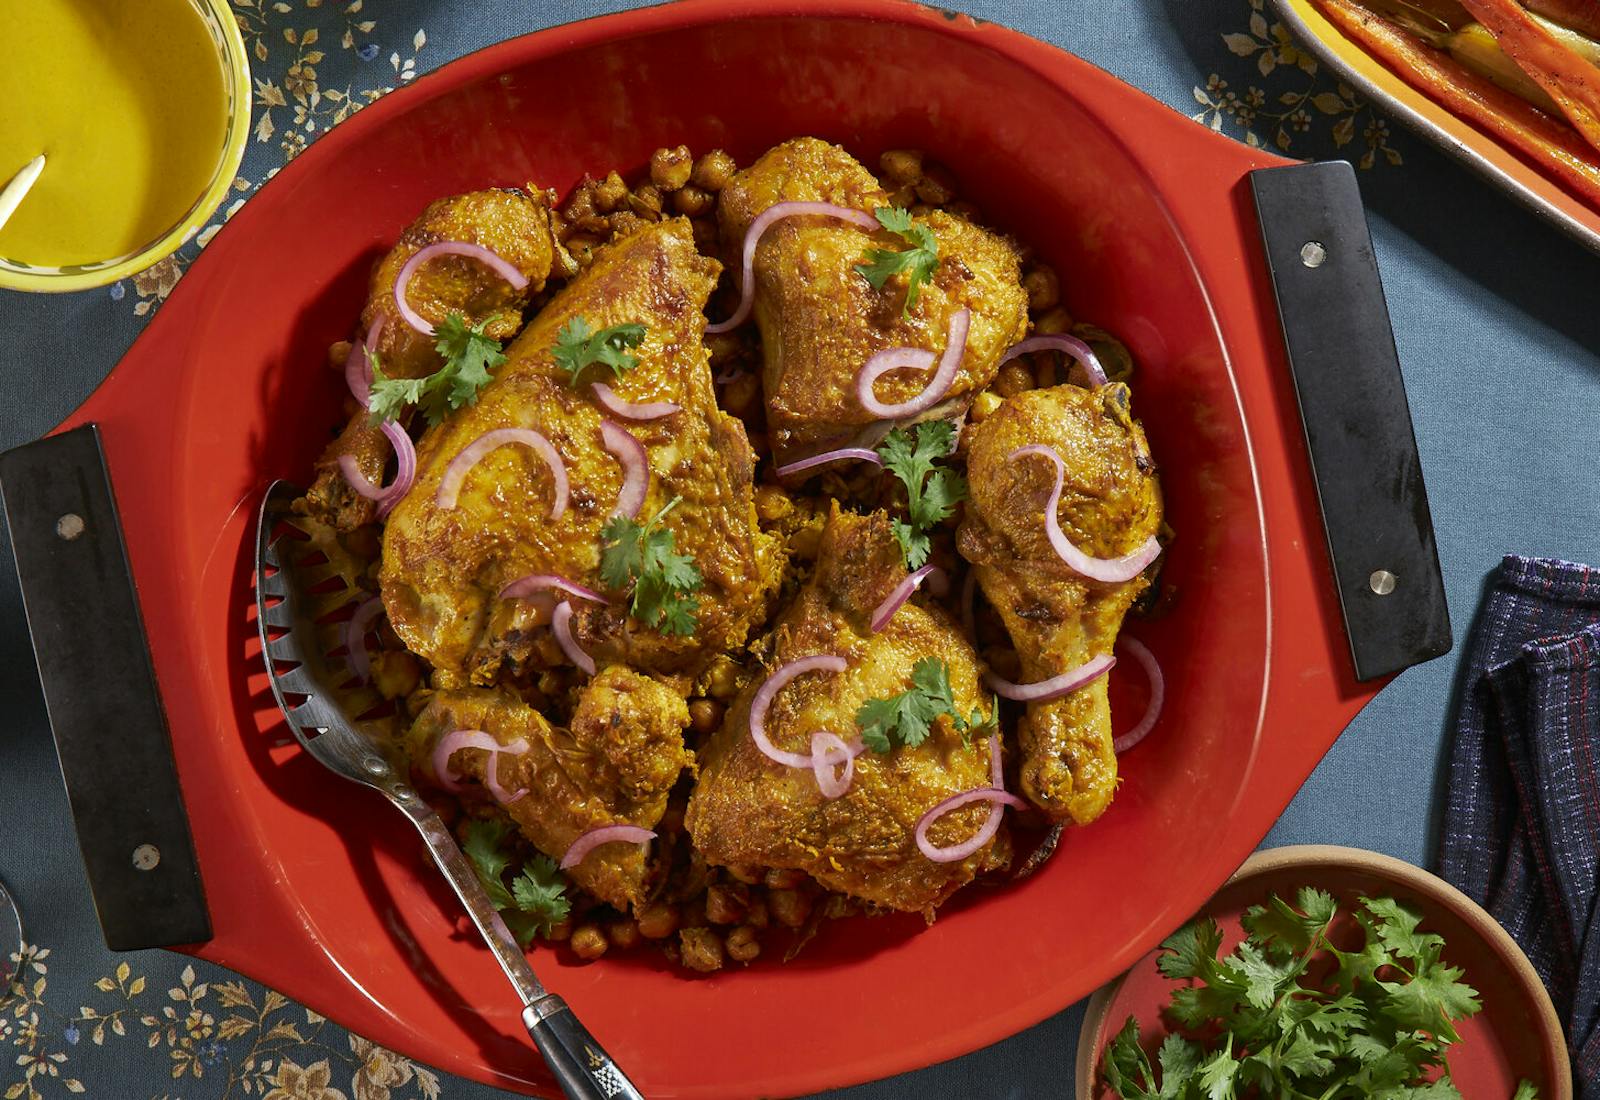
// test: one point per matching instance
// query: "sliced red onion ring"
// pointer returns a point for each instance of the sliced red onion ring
(404, 475)
(605, 834)
(1110, 570)
(902, 593)
(456, 740)
(607, 399)
(448, 248)
(829, 750)
(358, 364)
(635, 467)
(995, 794)
(473, 453)
(826, 457)
(561, 624)
(752, 236)
(1158, 695)
(1069, 344)
(1043, 691)
(955, 345)
(535, 582)
(769, 691)
(355, 636)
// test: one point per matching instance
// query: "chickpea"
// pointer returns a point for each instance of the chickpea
(789, 908)
(623, 934)
(1053, 323)
(624, 222)
(805, 543)
(1043, 287)
(904, 195)
(395, 675)
(1013, 379)
(726, 903)
(670, 168)
(723, 346)
(610, 193)
(692, 913)
(984, 405)
(692, 201)
(338, 352)
(772, 503)
(756, 915)
(588, 942)
(560, 931)
(713, 171)
(743, 944)
(745, 873)
(646, 201)
(937, 186)
(723, 680)
(705, 716)
(701, 949)
(901, 166)
(581, 204)
(784, 878)
(740, 395)
(1044, 375)
(657, 922)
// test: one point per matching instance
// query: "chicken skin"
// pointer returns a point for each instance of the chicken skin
(820, 319)
(1059, 619)
(615, 765)
(444, 565)
(749, 809)
(513, 225)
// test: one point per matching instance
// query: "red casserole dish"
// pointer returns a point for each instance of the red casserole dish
(321, 893)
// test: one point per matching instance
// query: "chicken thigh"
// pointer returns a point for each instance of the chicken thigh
(513, 225)
(1110, 505)
(821, 320)
(749, 809)
(615, 765)
(446, 562)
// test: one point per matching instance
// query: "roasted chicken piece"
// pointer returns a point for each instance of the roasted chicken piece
(749, 809)
(821, 320)
(615, 765)
(513, 225)
(444, 567)
(1059, 619)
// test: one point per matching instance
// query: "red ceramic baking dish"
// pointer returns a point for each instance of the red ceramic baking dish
(320, 891)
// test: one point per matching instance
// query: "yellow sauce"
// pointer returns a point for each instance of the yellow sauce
(125, 99)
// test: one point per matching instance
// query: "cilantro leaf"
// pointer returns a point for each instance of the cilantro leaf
(1526, 1091)
(535, 900)
(1125, 1067)
(909, 715)
(932, 492)
(485, 847)
(470, 357)
(646, 556)
(918, 260)
(578, 347)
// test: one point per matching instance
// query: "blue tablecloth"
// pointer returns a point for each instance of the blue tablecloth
(1497, 326)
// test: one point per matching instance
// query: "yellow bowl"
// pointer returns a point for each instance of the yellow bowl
(224, 32)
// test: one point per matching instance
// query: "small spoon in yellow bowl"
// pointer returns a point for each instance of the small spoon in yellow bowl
(12, 194)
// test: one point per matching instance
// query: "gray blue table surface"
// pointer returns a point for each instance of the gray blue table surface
(1497, 319)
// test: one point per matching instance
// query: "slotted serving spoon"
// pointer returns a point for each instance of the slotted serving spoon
(307, 690)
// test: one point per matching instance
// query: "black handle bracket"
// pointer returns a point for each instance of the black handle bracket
(100, 691)
(1357, 421)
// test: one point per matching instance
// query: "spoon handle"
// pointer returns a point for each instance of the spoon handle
(12, 194)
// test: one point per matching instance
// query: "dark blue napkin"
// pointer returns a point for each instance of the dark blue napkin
(1521, 831)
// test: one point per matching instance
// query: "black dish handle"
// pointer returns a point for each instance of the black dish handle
(581, 1066)
(1357, 422)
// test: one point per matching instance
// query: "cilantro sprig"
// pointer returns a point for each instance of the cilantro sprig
(1374, 1023)
(470, 358)
(908, 717)
(917, 260)
(535, 900)
(646, 556)
(932, 491)
(578, 347)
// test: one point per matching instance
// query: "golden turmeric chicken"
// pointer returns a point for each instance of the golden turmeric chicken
(611, 631)
(821, 320)
(1059, 619)
(536, 504)
(614, 764)
(750, 809)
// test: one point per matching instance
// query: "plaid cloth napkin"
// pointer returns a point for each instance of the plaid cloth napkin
(1521, 831)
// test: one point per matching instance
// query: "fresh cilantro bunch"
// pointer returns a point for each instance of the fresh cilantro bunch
(470, 357)
(909, 716)
(535, 900)
(646, 557)
(917, 260)
(578, 347)
(932, 492)
(1298, 1019)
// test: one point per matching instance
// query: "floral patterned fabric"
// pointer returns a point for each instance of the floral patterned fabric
(80, 1020)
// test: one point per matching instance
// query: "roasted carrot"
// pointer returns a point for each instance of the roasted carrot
(1581, 15)
(1572, 80)
(1549, 143)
